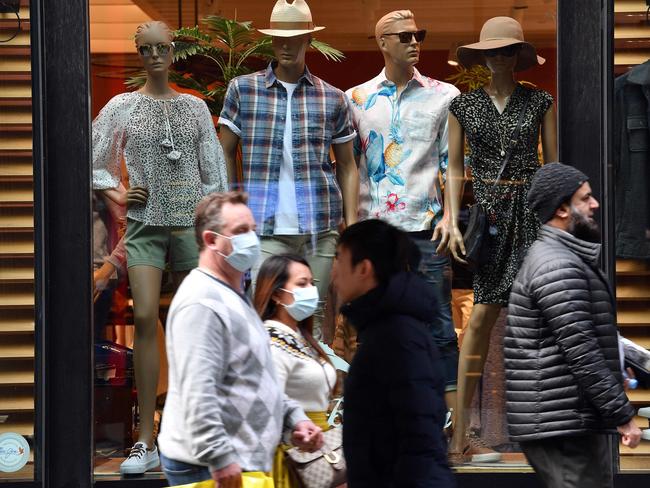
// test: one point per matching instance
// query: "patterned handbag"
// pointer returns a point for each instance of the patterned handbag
(324, 468)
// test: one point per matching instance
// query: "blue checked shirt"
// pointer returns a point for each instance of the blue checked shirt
(255, 109)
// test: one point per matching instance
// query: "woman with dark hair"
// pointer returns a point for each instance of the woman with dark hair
(285, 298)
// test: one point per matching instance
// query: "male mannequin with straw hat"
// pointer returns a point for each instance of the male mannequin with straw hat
(286, 120)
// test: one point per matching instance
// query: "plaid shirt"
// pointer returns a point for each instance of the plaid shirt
(255, 109)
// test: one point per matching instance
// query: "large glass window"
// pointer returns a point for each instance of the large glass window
(119, 416)
(632, 209)
(16, 246)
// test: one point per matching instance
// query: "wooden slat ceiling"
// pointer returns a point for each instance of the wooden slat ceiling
(349, 23)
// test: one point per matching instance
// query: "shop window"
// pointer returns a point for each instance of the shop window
(119, 418)
(17, 352)
(632, 210)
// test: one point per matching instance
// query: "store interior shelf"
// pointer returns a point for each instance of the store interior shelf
(16, 274)
(17, 347)
(639, 397)
(18, 377)
(12, 324)
(15, 299)
(629, 6)
(17, 247)
(16, 403)
(633, 292)
(634, 316)
(17, 220)
(25, 427)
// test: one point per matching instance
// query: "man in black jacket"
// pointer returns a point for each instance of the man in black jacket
(394, 406)
(563, 373)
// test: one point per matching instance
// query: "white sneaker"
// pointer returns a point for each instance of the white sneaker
(140, 459)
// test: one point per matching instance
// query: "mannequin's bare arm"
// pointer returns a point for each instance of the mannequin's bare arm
(229, 142)
(348, 178)
(447, 229)
(115, 195)
(549, 135)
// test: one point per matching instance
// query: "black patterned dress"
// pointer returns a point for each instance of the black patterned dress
(513, 226)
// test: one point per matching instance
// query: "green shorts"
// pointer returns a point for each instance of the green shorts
(150, 245)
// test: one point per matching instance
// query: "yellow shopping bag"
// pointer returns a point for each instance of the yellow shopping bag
(255, 479)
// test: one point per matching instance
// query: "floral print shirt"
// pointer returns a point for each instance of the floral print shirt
(402, 145)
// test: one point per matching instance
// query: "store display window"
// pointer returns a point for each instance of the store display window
(125, 412)
(18, 391)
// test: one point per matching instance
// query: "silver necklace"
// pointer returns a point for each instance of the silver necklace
(168, 141)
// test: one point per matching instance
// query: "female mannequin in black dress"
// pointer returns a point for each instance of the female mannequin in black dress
(488, 118)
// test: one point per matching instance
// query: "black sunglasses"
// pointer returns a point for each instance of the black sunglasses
(507, 51)
(162, 49)
(405, 37)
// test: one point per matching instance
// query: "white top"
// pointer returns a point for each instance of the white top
(286, 213)
(143, 131)
(306, 377)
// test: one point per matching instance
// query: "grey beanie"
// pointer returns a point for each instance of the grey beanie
(552, 185)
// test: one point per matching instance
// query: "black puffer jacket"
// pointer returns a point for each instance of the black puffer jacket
(561, 344)
(394, 404)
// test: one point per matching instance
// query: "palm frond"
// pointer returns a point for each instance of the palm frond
(328, 51)
(136, 81)
(472, 78)
(184, 50)
(191, 33)
(188, 82)
(261, 49)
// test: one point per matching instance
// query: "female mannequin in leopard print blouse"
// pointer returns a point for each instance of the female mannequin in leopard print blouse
(173, 158)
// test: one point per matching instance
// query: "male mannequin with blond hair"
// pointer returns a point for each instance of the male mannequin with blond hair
(401, 120)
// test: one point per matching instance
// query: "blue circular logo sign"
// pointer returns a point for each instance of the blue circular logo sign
(14, 452)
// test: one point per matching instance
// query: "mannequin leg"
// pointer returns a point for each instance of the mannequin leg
(470, 368)
(145, 289)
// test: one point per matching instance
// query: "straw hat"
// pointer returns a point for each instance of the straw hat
(290, 20)
(500, 32)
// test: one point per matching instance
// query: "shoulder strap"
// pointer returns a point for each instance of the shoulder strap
(513, 141)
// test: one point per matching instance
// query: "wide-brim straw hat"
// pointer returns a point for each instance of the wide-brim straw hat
(500, 32)
(290, 20)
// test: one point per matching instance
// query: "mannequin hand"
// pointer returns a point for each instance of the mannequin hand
(307, 436)
(228, 477)
(137, 195)
(101, 277)
(441, 231)
(630, 434)
(456, 244)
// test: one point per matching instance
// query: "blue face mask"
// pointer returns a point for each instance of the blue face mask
(305, 302)
(245, 250)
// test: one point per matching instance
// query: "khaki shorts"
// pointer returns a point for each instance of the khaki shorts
(151, 245)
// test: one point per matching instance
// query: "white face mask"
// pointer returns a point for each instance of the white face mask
(245, 250)
(305, 302)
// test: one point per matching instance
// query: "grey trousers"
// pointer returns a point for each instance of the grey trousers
(572, 461)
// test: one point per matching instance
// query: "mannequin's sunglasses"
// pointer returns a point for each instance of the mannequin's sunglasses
(162, 49)
(507, 51)
(405, 37)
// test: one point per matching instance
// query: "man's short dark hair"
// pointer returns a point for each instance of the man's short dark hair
(389, 249)
(208, 212)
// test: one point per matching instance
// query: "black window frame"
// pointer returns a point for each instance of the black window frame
(63, 227)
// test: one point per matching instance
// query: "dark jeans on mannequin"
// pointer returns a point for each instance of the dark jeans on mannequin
(436, 270)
